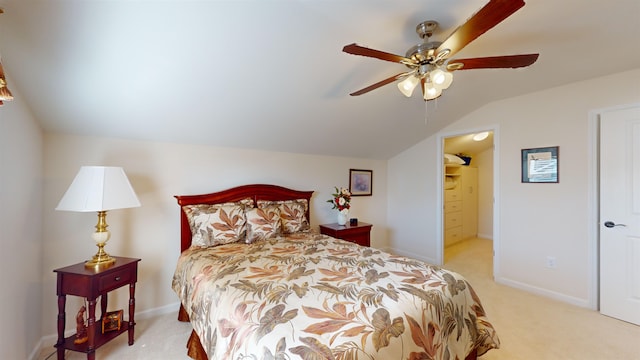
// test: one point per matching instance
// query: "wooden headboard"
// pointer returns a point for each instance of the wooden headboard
(254, 191)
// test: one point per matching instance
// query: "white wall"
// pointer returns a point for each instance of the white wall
(412, 191)
(21, 229)
(536, 220)
(158, 171)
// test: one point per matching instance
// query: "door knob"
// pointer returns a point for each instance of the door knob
(611, 224)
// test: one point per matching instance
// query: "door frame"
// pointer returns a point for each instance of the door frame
(496, 191)
(593, 231)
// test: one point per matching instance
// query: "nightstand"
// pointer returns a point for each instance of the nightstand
(89, 283)
(359, 234)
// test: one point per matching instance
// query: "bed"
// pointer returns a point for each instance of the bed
(256, 288)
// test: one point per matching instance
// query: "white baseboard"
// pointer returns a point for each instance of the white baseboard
(48, 341)
(409, 255)
(512, 283)
(584, 303)
(36, 351)
(485, 236)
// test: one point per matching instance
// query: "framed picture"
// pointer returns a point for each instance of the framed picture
(360, 182)
(540, 165)
(111, 321)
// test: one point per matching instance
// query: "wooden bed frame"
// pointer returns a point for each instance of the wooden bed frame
(255, 192)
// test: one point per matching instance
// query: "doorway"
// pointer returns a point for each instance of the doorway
(467, 192)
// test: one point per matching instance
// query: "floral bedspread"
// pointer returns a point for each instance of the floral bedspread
(309, 296)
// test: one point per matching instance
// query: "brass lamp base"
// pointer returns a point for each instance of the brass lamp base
(100, 260)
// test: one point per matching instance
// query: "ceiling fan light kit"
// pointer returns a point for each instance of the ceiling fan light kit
(430, 63)
(434, 80)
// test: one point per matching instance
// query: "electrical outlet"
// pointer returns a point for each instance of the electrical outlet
(551, 262)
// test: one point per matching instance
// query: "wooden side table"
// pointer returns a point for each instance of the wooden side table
(89, 283)
(359, 234)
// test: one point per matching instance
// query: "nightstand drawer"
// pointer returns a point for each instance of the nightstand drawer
(362, 238)
(114, 280)
(358, 234)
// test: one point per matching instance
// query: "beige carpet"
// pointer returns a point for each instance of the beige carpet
(161, 337)
(535, 327)
(529, 326)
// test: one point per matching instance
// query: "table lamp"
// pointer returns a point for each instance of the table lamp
(99, 188)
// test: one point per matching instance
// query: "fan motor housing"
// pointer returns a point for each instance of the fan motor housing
(424, 53)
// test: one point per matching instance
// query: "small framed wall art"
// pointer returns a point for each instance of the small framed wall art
(360, 182)
(540, 165)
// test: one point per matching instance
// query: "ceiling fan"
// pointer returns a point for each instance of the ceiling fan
(430, 62)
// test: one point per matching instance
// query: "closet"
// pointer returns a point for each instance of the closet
(460, 203)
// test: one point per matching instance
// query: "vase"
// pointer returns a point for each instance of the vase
(342, 218)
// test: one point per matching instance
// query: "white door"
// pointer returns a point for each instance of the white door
(620, 214)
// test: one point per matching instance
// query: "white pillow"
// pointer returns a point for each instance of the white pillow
(452, 159)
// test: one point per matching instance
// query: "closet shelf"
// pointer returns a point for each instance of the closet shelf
(452, 169)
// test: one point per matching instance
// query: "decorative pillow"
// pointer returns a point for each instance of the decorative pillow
(247, 203)
(293, 214)
(262, 223)
(216, 224)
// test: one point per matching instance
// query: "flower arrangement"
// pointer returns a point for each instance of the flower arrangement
(340, 200)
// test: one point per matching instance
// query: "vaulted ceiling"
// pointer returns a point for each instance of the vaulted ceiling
(271, 74)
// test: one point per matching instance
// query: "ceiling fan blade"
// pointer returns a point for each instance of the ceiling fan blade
(493, 62)
(381, 83)
(486, 18)
(356, 49)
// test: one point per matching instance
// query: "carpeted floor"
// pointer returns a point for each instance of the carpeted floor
(536, 327)
(529, 326)
(161, 337)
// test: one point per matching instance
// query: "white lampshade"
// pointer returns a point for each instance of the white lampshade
(99, 188)
(407, 85)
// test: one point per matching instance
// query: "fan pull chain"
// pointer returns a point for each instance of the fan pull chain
(426, 109)
(426, 112)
